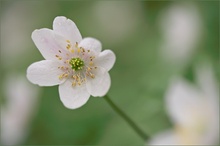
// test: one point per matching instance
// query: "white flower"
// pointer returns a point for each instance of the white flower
(17, 112)
(194, 112)
(182, 28)
(77, 65)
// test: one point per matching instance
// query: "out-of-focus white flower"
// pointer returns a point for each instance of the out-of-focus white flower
(16, 114)
(193, 110)
(77, 65)
(181, 30)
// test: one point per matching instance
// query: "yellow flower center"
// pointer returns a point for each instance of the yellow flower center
(78, 69)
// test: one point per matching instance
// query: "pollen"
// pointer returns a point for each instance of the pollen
(91, 63)
(72, 51)
(68, 46)
(76, 45)
(64, 75)
(58, 57)
(92, 76)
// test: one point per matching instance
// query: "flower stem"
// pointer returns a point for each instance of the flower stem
(127, 119)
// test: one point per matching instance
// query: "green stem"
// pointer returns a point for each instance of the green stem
(127, 119)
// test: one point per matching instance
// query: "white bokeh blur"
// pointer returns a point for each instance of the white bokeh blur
(181, 28)
(193, 110)
(21, 100)
(21, 97)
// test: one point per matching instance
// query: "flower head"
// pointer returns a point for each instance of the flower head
(18, 110)
(194, 111)
(182, 28)
(77, 65)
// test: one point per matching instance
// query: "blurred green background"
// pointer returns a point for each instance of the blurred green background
(139, 78)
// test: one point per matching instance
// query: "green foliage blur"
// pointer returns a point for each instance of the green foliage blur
(139, 78)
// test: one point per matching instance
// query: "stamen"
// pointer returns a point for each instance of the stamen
(64, 75)
(91, 63)
(92, 76)
(75, 68)
(73, 84)
(91, 58)
(74, 76)
(68, 46)
(89, 68)
(58, 57)
(60, 77)
(60, 67)
(88, 73)
(76, 45)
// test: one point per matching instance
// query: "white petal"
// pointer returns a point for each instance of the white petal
(99, 85)
(73, 97)
(45, 73)
(49, 43)
(91, 44)
(67, 28)
(205, 77)
(22, 101)
(106, 59)
(209, 85)
(184, 102)
(165, 138)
